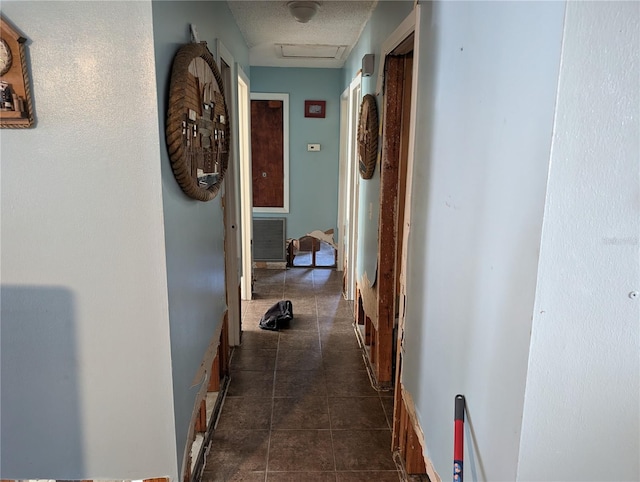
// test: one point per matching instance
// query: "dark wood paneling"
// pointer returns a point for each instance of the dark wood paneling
(388, 236)
(267, 153)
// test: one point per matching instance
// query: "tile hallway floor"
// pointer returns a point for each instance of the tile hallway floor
(300, 406)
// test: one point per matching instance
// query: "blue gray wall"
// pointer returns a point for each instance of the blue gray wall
(313, 184)
(384, 20)
(194, 230)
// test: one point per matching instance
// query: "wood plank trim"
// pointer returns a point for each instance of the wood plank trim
(201, 421)
(214, 377)
(225, 348)
(389, 172)
(409, 443)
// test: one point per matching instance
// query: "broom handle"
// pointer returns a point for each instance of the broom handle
(458, 439)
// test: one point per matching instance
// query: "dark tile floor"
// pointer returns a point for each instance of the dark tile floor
(300, 406)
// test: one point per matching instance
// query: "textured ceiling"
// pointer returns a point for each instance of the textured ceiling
(267, 24)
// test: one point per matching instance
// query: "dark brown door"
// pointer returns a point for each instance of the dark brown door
(267, 153)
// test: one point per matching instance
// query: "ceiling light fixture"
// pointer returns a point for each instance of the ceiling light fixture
(303, 11)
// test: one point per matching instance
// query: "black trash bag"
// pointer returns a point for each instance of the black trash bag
(278, 316)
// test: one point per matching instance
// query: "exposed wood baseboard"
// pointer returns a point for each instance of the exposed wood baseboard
(408, 441)
(215, 367)
(377, 343)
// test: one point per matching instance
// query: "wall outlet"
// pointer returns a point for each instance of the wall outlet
(313, 147)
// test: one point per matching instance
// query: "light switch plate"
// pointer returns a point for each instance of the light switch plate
(313, 147)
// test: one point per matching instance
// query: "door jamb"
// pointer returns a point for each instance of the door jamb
(353, 186)
(246, 196)
(231, 203)
(342, 188)
(410, 25)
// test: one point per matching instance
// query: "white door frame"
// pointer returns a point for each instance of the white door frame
(284, 98)
(246, 195)
(351, 186)
(231, 200)
(410, 25)
(343, 195)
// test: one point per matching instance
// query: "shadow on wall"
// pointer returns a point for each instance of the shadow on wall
(40, 434)
(474, 465)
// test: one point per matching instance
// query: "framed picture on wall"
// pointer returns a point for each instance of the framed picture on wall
(315, 108)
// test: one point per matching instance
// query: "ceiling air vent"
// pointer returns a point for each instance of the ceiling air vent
(312, 51)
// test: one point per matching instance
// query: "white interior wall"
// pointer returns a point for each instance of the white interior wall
(581, 406)
(86, 364)
(486, 99)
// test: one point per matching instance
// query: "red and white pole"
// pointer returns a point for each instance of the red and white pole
(458, 439)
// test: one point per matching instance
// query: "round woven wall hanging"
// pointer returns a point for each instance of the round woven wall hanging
(368, 136)
(197, 131)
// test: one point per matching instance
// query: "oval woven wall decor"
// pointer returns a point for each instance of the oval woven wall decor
(368, 136)
(197, 131)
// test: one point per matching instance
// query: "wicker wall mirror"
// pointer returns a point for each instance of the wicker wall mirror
(197, 130)
(368, 136)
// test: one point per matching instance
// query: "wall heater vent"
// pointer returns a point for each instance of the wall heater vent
(269, 241)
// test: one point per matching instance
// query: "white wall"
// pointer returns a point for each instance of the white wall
(86, 373)
(581, 406)
(486, 102)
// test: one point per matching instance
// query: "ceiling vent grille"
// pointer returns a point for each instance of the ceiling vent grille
(310, 51)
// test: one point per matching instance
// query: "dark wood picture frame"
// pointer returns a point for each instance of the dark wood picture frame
(198, 125)
(315, 108)
(16, 109)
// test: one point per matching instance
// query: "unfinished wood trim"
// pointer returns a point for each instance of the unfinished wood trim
(202, 378)
(414, 461)
(410, 442)
(403, 418)
(201, 421)
(373, 356)
(409, 446)
(403, 164)
(398, 404)
(359, 311)
(214, 377)
(369, 295)
(225, 348)
(368, 328)
(387, 246)
(220, 364)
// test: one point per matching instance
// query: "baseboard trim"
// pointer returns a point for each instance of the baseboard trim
(409, 442)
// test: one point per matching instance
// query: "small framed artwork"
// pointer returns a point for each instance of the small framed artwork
(315, 108)
(16, 107)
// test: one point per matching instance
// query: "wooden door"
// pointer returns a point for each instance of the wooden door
(267, 151)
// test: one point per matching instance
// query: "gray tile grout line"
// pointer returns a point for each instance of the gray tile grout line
(333, 447)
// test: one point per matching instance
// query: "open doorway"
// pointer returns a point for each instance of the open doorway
(380, 308)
